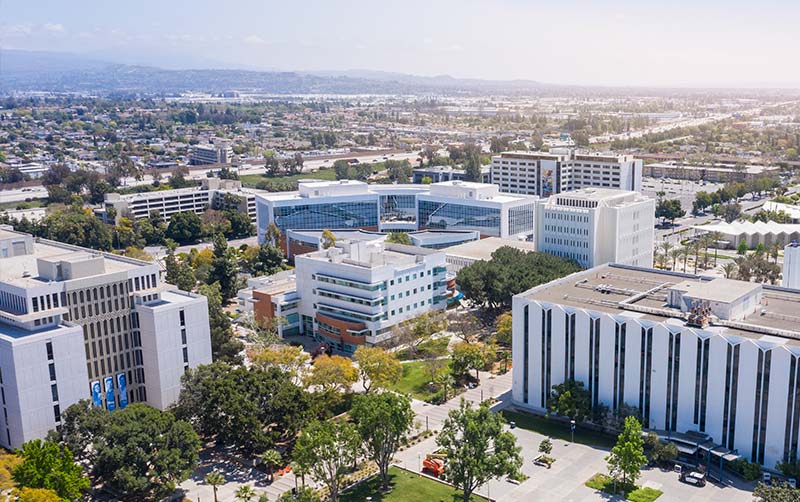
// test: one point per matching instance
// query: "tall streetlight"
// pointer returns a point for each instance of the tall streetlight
(572, 429)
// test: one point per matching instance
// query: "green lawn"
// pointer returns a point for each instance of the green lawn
(33, 203)
(558, 430)
(431, 348)
(605, 484)
(414, 381)
(323, 174)
(406, 487)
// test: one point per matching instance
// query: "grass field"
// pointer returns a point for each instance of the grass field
(23, 204)
(406, 487)
(558, 430)
(605, 484)
(323, 174)
(432, 348)
(414, 381)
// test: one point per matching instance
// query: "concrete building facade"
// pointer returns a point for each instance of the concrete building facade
(791, 266)
(562, 170)
(80, 324)
(597, 225)
(716, 358)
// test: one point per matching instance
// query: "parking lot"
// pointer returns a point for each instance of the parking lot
(683, 190)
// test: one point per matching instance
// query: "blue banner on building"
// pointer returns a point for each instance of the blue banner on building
(122, 385)
(111, 401)
(96, 393)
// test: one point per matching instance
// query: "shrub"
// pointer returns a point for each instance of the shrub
(749, 471)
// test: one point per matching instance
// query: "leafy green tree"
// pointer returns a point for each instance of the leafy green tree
(78, 226)
(178, 273)
(37, 495)
(669, 209)
(426, 180)
(546, 446)
(269, 260)
(377, 366)
(224, 268)
(510, 271)
(477, 448)
(224, 347)
(467, 357)
(328, 239)
(145, 452)
(741, 248)
(47, 465)
(215, 479)
(185, 227)
(504, 329)
(571, 399)
(399, 238)
(419, 330)
(247, 408)
(327, 450)
(383, 421)
(82, 424)
(627, 456)
(241, 226)
(332, 373)
(780, 492)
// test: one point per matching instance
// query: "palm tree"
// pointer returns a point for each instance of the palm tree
(445, 380)
(215, 479)
(716, 237)
(774, 250)
(665, 247)
(729, 269)
(245, 493)
(271, 459)
(676, 254)
(695, 247)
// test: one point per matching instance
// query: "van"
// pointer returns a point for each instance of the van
(693, 478)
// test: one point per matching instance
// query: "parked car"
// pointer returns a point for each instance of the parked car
(792, 482)
(766, 478)
(693, 478)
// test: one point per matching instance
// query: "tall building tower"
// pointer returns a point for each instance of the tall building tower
(791, 266)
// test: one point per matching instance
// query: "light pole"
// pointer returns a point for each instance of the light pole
(572, 430)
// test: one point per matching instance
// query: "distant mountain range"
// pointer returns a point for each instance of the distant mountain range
(62, 72)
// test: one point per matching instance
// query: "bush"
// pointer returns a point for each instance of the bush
(749, 471)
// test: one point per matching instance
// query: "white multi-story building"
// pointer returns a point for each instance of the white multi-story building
(347, 204)
(220, 152)
(791, 266)
(597, 225)
(80, 324)
(715, 357)
(354, 293)
(562, 170)
(213, 193)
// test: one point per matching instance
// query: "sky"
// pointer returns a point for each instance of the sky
(644, 42)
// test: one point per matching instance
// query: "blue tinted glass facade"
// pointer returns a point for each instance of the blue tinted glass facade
(520, 219)
(337, 215)
(398, 207)
(485, 220)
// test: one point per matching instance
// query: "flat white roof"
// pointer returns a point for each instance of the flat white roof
(482, 249)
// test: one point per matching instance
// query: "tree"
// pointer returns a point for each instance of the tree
(741, 248)
(245, 493)
(546, 446)
(477, 448)
(782, 492)
(328, 239)
(627, 456)
(185, 227)
(215, 479)
(178, 273)
(38, 495)
(303, 494)
(273, 234)
(419, 330)
(272, 165)
(504, 329)
(292, 361)
(82, 424)
(466, 357)
(269, 260)
(332, 373)
(246, 408)
(464, 325)
(383, 421)
(224, 347)
(399, 238)
(426, 180)
(224, 268)
(145, 452)
(570, 399)
(271, 459)
(78, 226)
(240, 224)
(326, 450)
(377, 367)
(509, 272)
(669, 209)
(47, 465)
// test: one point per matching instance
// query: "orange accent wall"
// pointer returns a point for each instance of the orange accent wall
(342, 327)
(262, 308)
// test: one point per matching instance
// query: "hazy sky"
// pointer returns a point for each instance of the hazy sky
(679, 42)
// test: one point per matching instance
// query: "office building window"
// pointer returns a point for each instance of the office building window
(792, 411)
(761, 406)
(49, 348)
(731, 393)
(526, 354)
(547, 329)
(619, 366)
(673, 379)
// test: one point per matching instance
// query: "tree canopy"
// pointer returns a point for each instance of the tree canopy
(327, 450)
(627, 456)
(47, 465)
(510, 271)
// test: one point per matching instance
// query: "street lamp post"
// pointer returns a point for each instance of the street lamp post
(572, 430)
